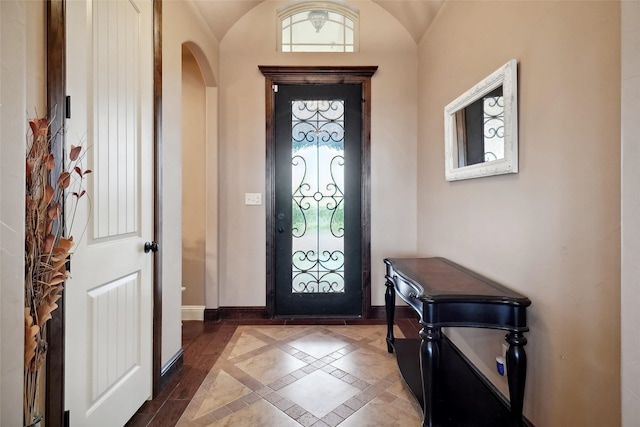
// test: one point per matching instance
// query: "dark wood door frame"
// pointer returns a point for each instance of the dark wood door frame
(55, 96)
(56, 100)
(156, 366)
(275, 75)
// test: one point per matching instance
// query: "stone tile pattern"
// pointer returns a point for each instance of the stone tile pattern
(320, 376)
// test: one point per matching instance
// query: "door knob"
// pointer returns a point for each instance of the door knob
(150, 247)
(280, 229)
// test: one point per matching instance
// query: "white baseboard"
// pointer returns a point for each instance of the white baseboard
(193, 312)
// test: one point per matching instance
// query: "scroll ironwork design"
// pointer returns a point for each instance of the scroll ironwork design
(317, 166)
(493, 121)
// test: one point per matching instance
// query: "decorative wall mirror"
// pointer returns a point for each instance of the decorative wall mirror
(481, 128)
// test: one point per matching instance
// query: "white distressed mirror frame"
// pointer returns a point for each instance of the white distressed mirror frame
(507, 77)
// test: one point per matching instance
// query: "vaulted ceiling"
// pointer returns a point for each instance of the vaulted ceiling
(415, 15)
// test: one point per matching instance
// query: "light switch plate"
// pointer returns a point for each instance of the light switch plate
(252, 198)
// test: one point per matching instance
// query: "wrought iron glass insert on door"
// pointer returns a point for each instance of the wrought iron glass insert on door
(318, 132)
(317, 194)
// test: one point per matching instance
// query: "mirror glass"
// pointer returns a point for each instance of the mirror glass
(481, 128)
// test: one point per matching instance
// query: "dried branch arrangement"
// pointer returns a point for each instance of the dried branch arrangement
(46, 250)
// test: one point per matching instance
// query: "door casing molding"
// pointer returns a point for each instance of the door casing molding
(56, 93)
(156, 367)
(318, 75)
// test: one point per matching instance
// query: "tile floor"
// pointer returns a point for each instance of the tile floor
(309, 375)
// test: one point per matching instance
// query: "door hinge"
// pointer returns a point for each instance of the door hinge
(66, 418)
(275, 88)
(67, 107)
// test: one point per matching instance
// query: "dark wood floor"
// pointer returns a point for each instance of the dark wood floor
(202, 344)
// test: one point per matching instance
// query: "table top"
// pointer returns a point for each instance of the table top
(442, 280)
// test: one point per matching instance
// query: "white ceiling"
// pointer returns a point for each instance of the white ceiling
(415, 15)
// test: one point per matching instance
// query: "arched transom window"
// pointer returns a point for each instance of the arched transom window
(318, 27)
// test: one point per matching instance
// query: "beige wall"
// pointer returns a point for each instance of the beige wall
(553, 230)
(181, 24)
(193, 180)
(630, 213)
(252, 42)
(21, 98)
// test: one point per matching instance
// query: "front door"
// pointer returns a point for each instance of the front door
(109, 297)
(318, 163)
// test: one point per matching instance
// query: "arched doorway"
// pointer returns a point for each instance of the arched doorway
(193, 187)
(199, 185)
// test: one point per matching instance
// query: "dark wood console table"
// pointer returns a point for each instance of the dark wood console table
(445, 294)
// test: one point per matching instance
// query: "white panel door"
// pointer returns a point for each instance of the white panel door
(109, 297)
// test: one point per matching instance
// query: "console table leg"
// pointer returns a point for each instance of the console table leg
(516, 374)
(390, 307)
(429, 355)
